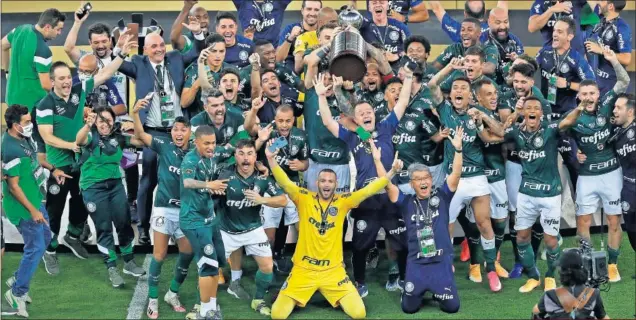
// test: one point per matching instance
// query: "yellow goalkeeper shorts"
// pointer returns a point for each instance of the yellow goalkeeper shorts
(333, 284)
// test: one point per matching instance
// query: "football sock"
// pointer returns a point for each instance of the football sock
(536, 238)
(490, 253)
(553, 255)
(527, 259)
(236, 275)
(181, 271)
(499, 228)
(513, 235)
(154, 272)
(263, 280)
(612, 255)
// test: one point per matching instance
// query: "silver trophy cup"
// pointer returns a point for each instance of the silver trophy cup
(348, 52)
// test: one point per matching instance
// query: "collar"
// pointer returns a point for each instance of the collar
(154, 65)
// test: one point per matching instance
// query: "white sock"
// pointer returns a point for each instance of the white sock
(207, 306)
(236, 275)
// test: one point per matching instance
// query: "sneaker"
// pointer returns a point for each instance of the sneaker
(211, 315)
(530, 285)
(153, 309)
(401, 285)
(10, 283)
(501, 272)
(516, 272)
(362, 290)
(17, 303)
(493, 281)
(372, 258)
(259, 306)
(75, 245)
(612, 270)
(475, 273)
(144, 238)
(8, 311)
(115, 278)
(221, 276)
(465, 255)
(51, 264)
(131, 268)
(172, 299)
(549, 283)
(392, 283)
(194, 313)
(86, 235)
(236, 290)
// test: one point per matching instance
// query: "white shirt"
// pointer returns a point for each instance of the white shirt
(154, 112)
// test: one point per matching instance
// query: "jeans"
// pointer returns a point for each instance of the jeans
(37, 237)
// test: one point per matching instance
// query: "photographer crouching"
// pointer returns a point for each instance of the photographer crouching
(574, 299)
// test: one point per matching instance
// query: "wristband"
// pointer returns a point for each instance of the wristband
(568, 84)
(290, 41)
(458, 151)
(406, 18)
(53, 168)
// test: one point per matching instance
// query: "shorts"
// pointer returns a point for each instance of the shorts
(343, 174)
(605, 188)
(272, 216)
(301, 284)
(628, 204)
(467, 189)
(438, 278)
(498, 202)
(513, 183)
(255, 243)
(530, 208)
(166, 221)
(204, 249)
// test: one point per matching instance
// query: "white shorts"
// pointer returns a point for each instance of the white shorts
(513, 182)
(342, 171)
(605, 188)
(530, 208)
(166, 221)
(272, 216)
(467, 189)
(498, 202)
(438, 174)
(255, 243)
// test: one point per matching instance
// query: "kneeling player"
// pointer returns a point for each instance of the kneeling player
(318, 263)
(430, 262)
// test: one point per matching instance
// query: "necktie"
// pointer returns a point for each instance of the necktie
(159, 75)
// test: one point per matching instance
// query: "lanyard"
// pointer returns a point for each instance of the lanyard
(557, 63)
(323, 215)
(240, 178)
(258, 8)
(166, 74)
(426, 215)
(531, 137)
(376, 31)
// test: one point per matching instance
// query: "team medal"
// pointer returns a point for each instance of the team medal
(167, 108)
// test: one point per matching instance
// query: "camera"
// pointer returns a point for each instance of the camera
(594, 263)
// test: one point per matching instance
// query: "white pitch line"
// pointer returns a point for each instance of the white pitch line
(137, 304)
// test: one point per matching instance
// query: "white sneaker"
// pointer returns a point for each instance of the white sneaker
(18, 303)
(11, 281)
(172, 299)
(153, 309)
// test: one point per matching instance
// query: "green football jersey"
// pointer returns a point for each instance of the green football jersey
(472, 147)
(192, 75)
(168, 172)
(538, 153)
(239, 214)
(285, 75)
(232, 124)
(30, 57)
(101, 166)
(592, 133)
(447, 83)
(19, 159)
(296, 149)
(493, 154)
(197, 206)
(422, 99)
(457, 50)
(324, 147)
(508, 100)
(66, 117)
(374, 98)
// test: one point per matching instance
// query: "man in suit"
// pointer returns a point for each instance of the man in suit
(160, 74)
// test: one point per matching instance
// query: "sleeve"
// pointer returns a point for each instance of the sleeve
(43, 59)
(191, 75)
(284, 34)
(303, 153)
(188, 169)
(405, 31)
(292, 190)
(537, 8)
(584, 69)
(607, 103)
(446, 56)
(157, 144)
(599, 308)
(504, 101)
(414, 3)
(88, 85)
(10, 36)
(511, 133)
(187, 45)
(44, 112)
(492, 54)
(391, 121)
(113, 96)
(400, 198)
(10, 164)
(345, 135)
(520, 48)
(301, 44)
(429, 127)
(447, 83)
(624, 38)
(89, 139)
(354, 199)
(272, 188)
(237, 4)
(451, 27)
(288, 75)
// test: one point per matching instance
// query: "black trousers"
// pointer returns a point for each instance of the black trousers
(56, 201)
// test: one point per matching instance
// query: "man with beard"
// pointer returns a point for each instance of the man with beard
(370, 89)
(473, 65)
(613, 32)
(406, 10)
(197, 20)
(389, 32)
(310, 40)
(271, 99)
(370, 216)
(508, 44)
(225, 124)
(600, 175)
(625, 144)
(265, 17)
(286, 43)
(418, 48)
(473, 189)
(472, 9)
(241, 224)
(238, 48)
(544, 15)
(60, 116)
(540, 192)
(469, 38)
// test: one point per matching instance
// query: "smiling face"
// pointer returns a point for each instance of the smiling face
(215, 108)
(623, 115)
(271, 85)
(469, 34)
(364, 116)
(202, 16)
(217, 54)
(532, 113)
(180, 134)
(560, 37)
(268, 55)
(310, 12)
(205, 145)
(487, 96)
(522, 84)
(227, 28)
(326, 184)
(474, 66)
(245, 159)
(590, 94)
(417, 52)
(284, 122)
(460, 94)
(379, 8)
(104, 123)
(155, 48)
(229, 86)
(499, 23)
(100, 43)
(421, 182)
(372, 79)
(62, 82)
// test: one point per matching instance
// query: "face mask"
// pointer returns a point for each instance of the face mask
(83, 76)
(27, 130)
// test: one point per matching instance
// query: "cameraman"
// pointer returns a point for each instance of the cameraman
(573, 295)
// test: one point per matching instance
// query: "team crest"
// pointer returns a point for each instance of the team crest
(609, 35)
(91, 207)
(538, 142)
(625, 206)
(361, 225)
(471, 124)
(410, 125)
(435, 201)
(293, 150)
(394, 35)
(600, 146)
(75, 99)
(332, 211)
(268, 7)
(159, 222)
(374, 134)
(409, 287)
(600, 121)
(630, 134)
(565, 68)
(208, 249)
(379, 96)
(113, 142)
(243, 55)
(229, 131)
(54, 189)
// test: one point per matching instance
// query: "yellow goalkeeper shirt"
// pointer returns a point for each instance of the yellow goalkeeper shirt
(319, 245)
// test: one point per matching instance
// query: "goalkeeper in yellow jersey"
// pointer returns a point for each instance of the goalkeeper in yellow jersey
(318, 261)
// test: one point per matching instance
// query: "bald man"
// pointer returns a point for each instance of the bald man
(161, 74)
(190, 17)
(472, 8)
(105, 95)
(309, 39)
(508, 44)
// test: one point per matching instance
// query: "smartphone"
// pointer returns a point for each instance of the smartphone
(87, 8)
(278, 143)
(363, 134)
(133, 29)
(149, 96)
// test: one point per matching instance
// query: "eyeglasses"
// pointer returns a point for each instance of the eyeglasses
(419, 179)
